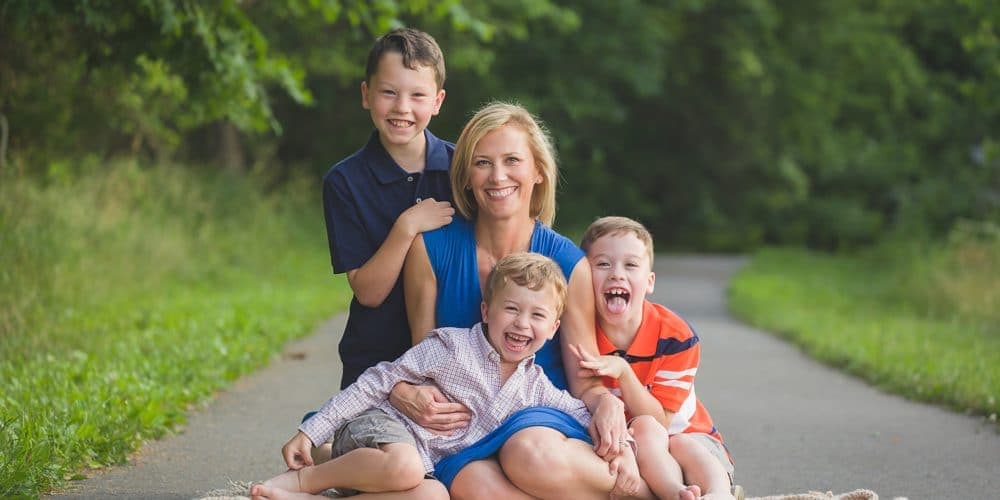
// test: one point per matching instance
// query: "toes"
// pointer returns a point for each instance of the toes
(260, 491)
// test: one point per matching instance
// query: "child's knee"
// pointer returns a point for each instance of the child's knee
(679, 443)
(683, 439)
(530, 451)
(647, 428)
(430, 490)
(404, 469)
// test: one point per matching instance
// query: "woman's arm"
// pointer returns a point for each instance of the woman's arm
(608, 426)
(424, 404)
(419, 290)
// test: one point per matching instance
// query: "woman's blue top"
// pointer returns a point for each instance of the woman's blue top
(452, 253)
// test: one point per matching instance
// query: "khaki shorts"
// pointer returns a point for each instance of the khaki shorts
(718, 450)
(369, 430)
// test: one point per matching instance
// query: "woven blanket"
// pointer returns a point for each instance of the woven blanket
(240, 490)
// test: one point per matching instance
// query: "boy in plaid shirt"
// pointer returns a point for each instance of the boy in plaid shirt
(488, 368)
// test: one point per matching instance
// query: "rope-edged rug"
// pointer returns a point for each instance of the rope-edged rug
(240, 490)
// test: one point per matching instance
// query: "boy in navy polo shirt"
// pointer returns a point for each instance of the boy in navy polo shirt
(379, 198)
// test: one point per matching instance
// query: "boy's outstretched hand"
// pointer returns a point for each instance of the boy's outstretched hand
(427, 215)
(600, 366)
(297, 452)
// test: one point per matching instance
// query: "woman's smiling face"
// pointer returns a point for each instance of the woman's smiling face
(503, 173)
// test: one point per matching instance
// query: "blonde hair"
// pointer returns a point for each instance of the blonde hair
(489, 118)
(616, 225)
(532, 270)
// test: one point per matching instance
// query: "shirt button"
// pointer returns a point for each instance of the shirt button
(418, 200)
(409, 179)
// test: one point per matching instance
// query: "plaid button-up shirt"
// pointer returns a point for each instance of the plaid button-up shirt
(463, 364)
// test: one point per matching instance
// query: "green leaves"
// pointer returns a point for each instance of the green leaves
(744, 117)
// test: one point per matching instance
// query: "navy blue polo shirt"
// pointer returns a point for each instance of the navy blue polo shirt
(363, 196)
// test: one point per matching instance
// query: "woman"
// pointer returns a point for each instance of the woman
(504, 177)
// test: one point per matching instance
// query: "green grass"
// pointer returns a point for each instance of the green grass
(130, 295)
(918, 320)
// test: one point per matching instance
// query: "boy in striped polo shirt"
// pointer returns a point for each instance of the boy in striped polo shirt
(648, 357)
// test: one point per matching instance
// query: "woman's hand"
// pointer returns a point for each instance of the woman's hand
(429, 408)
(297, 452)
(608, 427)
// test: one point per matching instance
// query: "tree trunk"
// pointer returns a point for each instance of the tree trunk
(230, 153)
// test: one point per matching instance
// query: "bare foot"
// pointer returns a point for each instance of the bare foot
(692, 492)
(287, 481)
(268, 492)
(718, 496)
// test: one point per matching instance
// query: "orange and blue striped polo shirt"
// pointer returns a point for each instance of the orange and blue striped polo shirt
(664, 355)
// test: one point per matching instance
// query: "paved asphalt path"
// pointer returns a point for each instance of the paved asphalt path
(792, 424)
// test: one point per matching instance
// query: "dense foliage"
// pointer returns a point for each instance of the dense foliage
(722, 124)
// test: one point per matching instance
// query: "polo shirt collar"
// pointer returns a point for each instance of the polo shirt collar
(386, 169)
(437, 154)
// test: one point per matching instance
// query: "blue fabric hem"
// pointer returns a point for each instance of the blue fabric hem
(540, 416)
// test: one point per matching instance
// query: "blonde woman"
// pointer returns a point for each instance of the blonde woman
(503, 177)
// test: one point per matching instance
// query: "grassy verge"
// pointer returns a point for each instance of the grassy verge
(918, 320)
(130, 294)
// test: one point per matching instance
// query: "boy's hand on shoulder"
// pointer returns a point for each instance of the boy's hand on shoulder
(297, 452)
(427, 215)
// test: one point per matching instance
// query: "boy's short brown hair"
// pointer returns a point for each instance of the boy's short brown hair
(532, 270)
(416, 47)
(617, 225)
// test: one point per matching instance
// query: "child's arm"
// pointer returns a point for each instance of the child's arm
(297, 452)
(372, 388)
(638, 400)
(373, 281)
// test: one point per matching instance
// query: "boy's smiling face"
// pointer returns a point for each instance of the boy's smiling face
(401, 100)
(622, 278)
(520, 320)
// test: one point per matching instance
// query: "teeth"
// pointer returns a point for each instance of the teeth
(500, 193)
(399, 123)
(518, 338)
